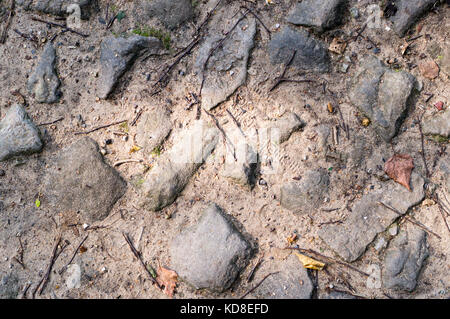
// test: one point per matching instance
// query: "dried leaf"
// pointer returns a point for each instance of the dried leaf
(168, 279)
(309, 262)
(291, 239)
(135, 148)
(399, 168)
(337, 46)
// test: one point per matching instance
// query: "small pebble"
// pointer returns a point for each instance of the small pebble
(376, 50)
(2, 172)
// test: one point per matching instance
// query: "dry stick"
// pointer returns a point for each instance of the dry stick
(52, 122)
(441, 210)
(252, 272)
(344, 125)
(257, 18)
(29, 37)
(111, 22)
(409, 218)
(235, 121)
(8, 22)
(63, 269)
(137, 254)
(60, 26)
(310, 251)
(131, 160)
(427, 172)
(133, 123)
(284, 71)
(258, 284)
(220, 43)
(216, 122)
(100, 127)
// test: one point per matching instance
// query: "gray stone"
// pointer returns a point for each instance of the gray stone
(336, 295)
(57, 7)
(291, 281)
(307, 194)
(73, 279)
(171, 13)
(210, 254)
(354, 12)
(437, 124)
(408, 11)
(368, 218)
(175, 167)
(287, 124)
(153, 128)
(243, 170)
(383, 95)
(312, 54)
(117, 56)
(78, 179)
(44, 82)
(321, 15)
(404, 259)
(9, 286)
(18, 134)
(226, 69)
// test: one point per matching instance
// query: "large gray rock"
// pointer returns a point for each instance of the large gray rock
(307, 194)
(44, 82)
(321, 15)
(117, 56)
(227, 67)
(57, 7)
(368, 218)
(171, 13)
(287, 124)
(210, 254)
(404, 259)
(153, 128)
(9, 286)
(291, 281)
(176, 166)
(408, 11)
(78, 179)
(18, 134)
(383, 95)
(312, 54)
(437, 124)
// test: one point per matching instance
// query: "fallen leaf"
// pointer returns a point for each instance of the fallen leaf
(291, 239)
(38, 203)
(135, 148)
(309, 262)
(330, 107)
(399, 168)
(168, 279)
(337, 46)
(365, 121)
(429, 69)
(439, 105)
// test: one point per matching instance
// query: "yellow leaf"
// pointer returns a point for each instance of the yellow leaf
(365, 121)
(135, 148)
(309, 262)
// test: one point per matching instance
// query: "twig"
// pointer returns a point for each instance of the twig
(409, 218)
(344, 292)
(8, 23)
(332, 260)
(19, 260)
(137, 254)
(63, 269)
(284, 71)
(360, 31)
(111, 22)
(419, 123)
(343, 125)
(131, 160)
(257, 18)
(441, 210)
(52, 122)
(414, 38)
(133, 123)
(60, 26)
(330, 222)
(252, 272)
(235, 121)
(30, 37)
(100, 127)
(216, 122)
(258, 284)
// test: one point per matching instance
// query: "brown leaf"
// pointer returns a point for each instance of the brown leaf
(399, 168)
(429, 69)
(168, 279)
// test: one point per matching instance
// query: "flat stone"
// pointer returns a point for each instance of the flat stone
(408, 11)
(404, 259)
(321, 15)
(73, 279)
(243, 170)
(44, 82)
(153, 128)
(57, 7)
(291, 281)
(437, 124)
(287, 124)
(18, 134)
(307, 194)
(312, 54)
(175, 167)
(9, 286)
(78, 179)
(429, 69)
(227, 67)
(210, 254)
(383, 95)
(368, 218)
(118, 55)
(171, 13)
